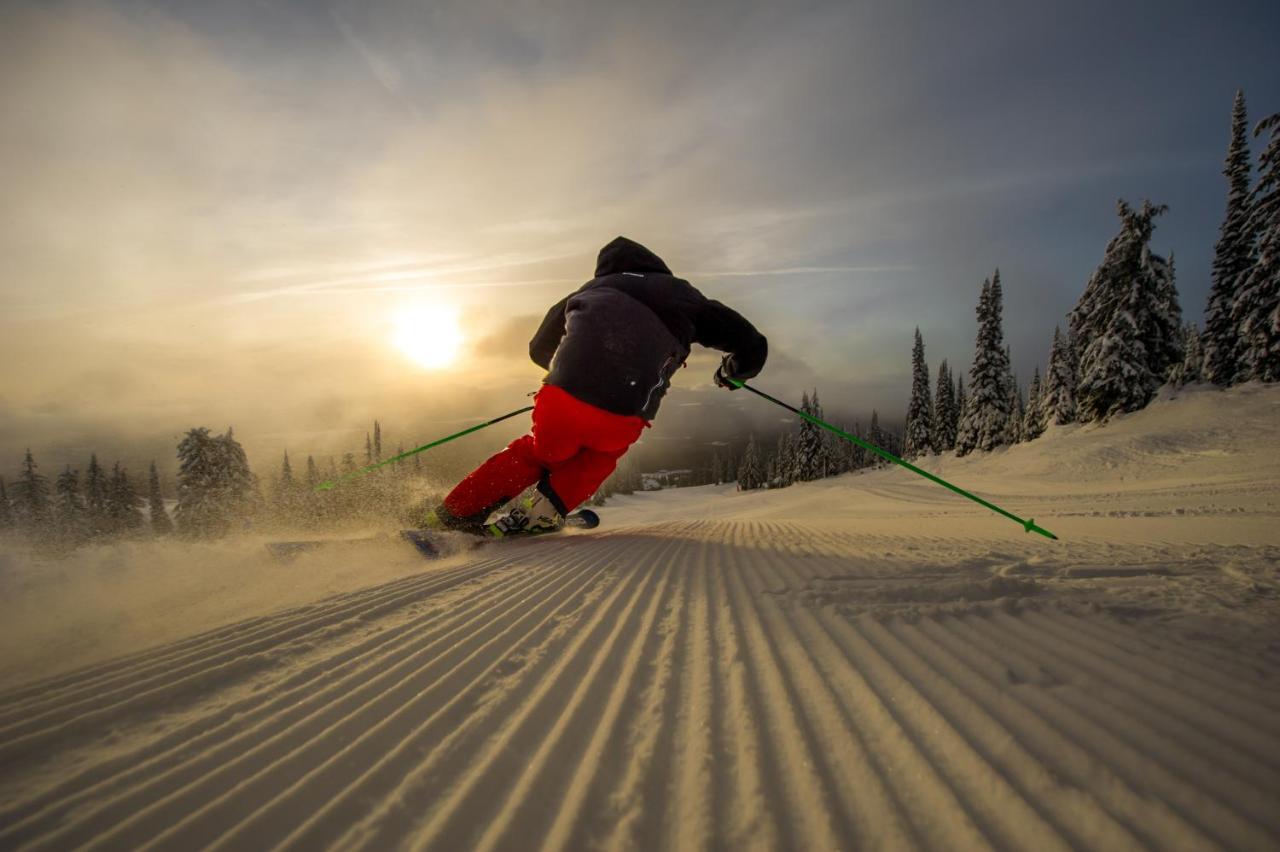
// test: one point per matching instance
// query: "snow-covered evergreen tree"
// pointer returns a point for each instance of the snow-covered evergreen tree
(784, 460)
(808, 458)
(1191, 370)
(6, 513)
(68, 508)
(97, 497)
(1034, 421)
(1233, 257)
(918, 438)
(1017, 406)
(1256, 310)
(31, 498)
(1017, 412)
(1058, 396)
(125, 504)
(160, 522)
(1121, 364)
(751, 469)
(1161, 332)
(984, 424)
(214, 483)
(944, 417)
(877, 437)
(962, 400)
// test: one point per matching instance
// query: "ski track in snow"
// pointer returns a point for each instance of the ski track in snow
(675, 685)
(864, 662)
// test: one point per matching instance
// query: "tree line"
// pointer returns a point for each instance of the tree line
(1125, 337)
(216, 493)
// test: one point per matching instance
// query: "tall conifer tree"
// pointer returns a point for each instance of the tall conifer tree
(31, 497)
(160, 522)
(1256, 311)
(6, 513)
(1033, 423)
(1233, 257)
(944, 416)
(984, 424)
(751, 468)
(1191, 369)
(1121, 359)
(1059, 389)
(68, 508)
(918, 439)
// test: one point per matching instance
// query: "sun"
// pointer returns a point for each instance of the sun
(431, 337)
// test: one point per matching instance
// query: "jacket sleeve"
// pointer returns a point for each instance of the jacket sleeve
(547, 338)
(723, 328)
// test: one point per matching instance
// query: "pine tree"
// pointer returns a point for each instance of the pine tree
(714, 469)
(1058, 400)
(1017, 407)
(751, 469)
(68, 508)
(1122, 359)
(1035, 420)
(377, 441)
(919, 428)
(368, 450)
(984, 424)
(1233, 257)
(1191, 370)
(313, 473)
(1017, 413)
(877, 437)
(124, 502)
(826, 463)
(784, 461)
(31, 498)
(6, 513)
(215, 487)
(1161, 332)
(160, 522)
(97, 497)
(943, 438)
(962, 400)
(1256, 310)
(808, 459)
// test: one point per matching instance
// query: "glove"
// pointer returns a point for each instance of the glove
(721, 378)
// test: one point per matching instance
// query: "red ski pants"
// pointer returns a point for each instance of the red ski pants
(577, 444)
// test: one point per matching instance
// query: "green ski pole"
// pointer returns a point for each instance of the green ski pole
(325, 486)
(1029, 525)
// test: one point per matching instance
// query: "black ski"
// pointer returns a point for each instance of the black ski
(426, 542)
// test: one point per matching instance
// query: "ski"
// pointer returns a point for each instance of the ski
(426, 542)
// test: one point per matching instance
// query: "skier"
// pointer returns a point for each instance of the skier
(610, 348)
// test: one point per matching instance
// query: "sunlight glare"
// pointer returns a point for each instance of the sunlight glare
(430, 336)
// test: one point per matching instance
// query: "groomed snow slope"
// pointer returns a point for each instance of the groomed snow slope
(863, 662)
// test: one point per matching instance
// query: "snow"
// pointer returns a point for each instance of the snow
(865, 661)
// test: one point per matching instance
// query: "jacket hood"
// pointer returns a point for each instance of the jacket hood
(624, 255)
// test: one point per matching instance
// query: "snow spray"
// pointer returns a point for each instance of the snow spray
(1029, 525)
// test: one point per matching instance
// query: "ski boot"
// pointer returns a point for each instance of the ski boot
(533, 515)
(440, 519)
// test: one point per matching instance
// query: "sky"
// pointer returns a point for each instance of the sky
(220, 213)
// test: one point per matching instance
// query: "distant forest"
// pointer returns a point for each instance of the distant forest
(1124, 339)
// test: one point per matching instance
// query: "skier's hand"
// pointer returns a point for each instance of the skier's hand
(721, 378)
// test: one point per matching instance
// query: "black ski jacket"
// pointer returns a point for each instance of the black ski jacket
(616, 342)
